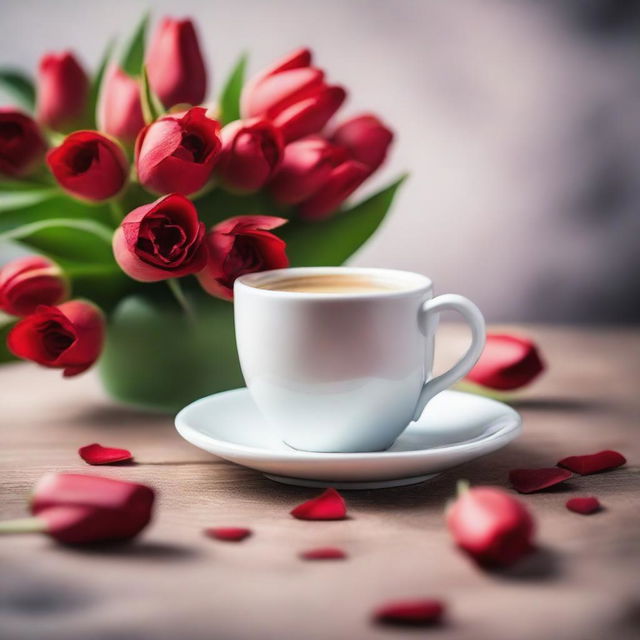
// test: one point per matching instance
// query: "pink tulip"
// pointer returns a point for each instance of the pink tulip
(119, 109)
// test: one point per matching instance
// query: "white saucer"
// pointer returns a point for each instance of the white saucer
(456, 427)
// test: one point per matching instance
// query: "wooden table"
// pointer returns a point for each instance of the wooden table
(175, 583)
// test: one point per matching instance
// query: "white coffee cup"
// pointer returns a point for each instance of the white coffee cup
(345, 371)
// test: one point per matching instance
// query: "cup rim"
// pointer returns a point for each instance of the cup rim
(250, 281)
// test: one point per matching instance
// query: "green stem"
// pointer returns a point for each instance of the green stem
(116, 210)
(23, 525)
(462, 487)
(176, 289)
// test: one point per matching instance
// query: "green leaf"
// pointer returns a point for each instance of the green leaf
(218, 205)
(6, 324)
(152, 108)
(133, 55)
(96, 84)
(330, 242)
(20, 86)
(230, 99)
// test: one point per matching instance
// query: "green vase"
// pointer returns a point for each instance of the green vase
(158, 358)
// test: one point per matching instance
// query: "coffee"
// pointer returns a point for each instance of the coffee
(331, 283)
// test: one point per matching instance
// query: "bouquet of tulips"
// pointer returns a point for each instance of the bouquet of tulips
(131, 179)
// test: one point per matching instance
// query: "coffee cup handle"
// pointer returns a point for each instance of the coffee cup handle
(475, 320)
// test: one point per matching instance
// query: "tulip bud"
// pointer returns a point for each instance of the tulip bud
(22, 146)
(69, 336)
(241, 245)
(293, 95)
(508, 362)
(175, 64)
(177, 153)
(119, 108)
(63, 89)
(492, 526)
(79, 509)
(365, 138)
(251, 152)
(161, 240)
(89, 165)
(26, 283)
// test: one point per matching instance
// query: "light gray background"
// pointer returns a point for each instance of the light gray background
(518, 120)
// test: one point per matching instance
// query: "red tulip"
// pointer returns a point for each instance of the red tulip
(493, 527)
(22, 146)
(294, 95)
(119, 109)
(177, 153)
(251, 153)
(175, 65)
(79, 509)
(238, 246)
(89, 165)
(329, 505)
(63, 89)
(161, 240)
(26, 283)
(68, 337)
(507, 362)
(366, 138)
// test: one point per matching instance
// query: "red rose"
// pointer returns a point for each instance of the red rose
(89, 165)
(294, 95)
(317, 176)
(365, 138)
(251, 152)
(21, 143)
(68, 337)
(26, 283)
(120, 110)
(161, 240)
(177, 153)
(175, 65)
(63, 89)
(241, 245)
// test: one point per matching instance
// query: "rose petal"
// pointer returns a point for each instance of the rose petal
(323, 553)
(411, 612)
(593, 463)
(97, 454)
(585, 506)
(329, 505)
(228, 534)
(531, 480)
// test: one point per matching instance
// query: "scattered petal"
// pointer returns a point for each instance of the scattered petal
(593, 463)
(329, 505)
(97, 454)
(324, 553)
(411, 612)
(585, 506)
(228, 534)
(531, 480)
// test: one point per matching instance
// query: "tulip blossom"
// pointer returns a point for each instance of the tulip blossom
(366, 139)
(177, 153)
(175, 65)
(69, 336)
(120, 110)
(26, 283)
(251, 153)
(241, 245)
(89, 165)
(293, 95)
(63, 89)
(508, 362)
(161, 240)
(22, 146)
(493, 527)
(78, 509)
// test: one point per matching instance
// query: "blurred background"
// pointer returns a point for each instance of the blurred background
(519, 123)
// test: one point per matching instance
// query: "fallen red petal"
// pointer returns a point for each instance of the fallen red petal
(593, 463)
(586, 505)
(531, 480)
(97, 454)
(329, 505)
(228, 534)
(324, 553)
(411, 612)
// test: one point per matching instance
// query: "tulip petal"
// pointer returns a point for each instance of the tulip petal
(532, 480)
(96, 454)
(593, 463)
(329, 505)
(420, 612)
(228, 534)
(585, 506)
(323, 553)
